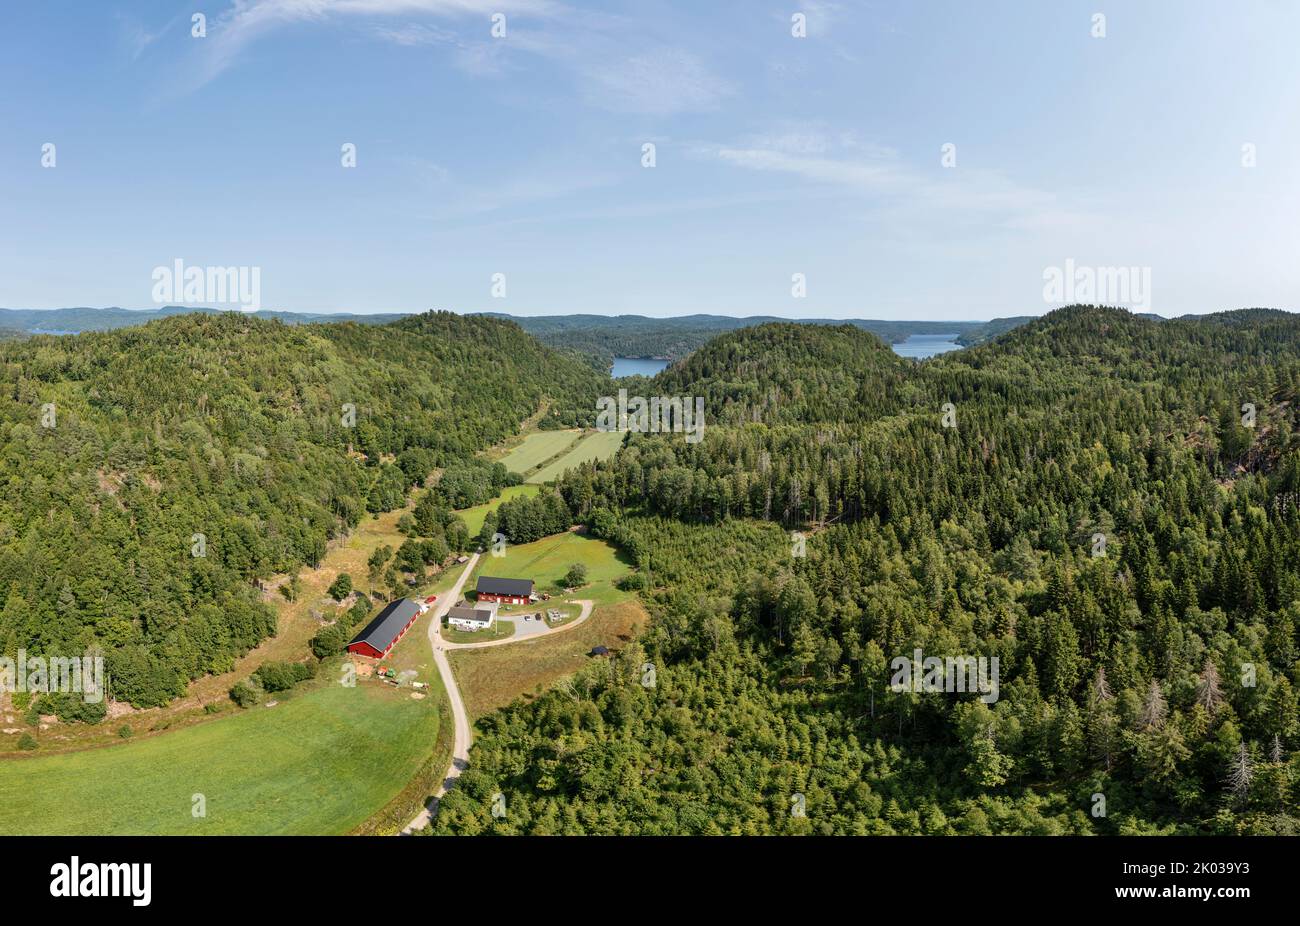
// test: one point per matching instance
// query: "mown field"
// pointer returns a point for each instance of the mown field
(547, 561)
(322, 762)
(597, 445)
(537, 448)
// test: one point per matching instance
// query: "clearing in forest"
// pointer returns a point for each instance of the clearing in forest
(537, 448)
(597, 445)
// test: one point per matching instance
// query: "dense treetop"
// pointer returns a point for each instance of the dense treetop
(1113, 517)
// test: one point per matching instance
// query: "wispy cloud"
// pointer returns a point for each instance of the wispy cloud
(247, 21)
(880, 174)
(616, 63)
(657, 82)
(139, 39)
(615, 66)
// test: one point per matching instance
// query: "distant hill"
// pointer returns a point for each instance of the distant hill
(597, 338)
(76, 320)
(986, 331)
(783, 371)
(607, 337)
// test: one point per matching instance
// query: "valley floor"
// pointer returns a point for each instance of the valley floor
(325, 758)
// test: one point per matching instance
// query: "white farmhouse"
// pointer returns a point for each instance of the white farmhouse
(473, 617)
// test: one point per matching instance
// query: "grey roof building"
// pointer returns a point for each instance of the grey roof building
(508, 588)
(475, 614)
(378, 637)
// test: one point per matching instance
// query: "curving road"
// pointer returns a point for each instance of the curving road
(463, 737)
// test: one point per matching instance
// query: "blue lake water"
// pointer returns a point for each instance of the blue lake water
(633, 366)
(921, 346)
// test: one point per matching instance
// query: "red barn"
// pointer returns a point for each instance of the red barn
(508, 591)
(381, 634)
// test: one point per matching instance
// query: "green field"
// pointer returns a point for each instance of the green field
(473, 517)
(321, 762)
(597, 445)
(537, 448)
(547, 561)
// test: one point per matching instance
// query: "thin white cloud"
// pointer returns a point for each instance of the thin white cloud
(250, 20)
(138, 39)
(412, 34)
(612, 72)
(658, 82)
(617, 63)
(881, 174)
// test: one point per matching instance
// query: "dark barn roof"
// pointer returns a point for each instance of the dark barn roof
(512, 587)
(383, 630)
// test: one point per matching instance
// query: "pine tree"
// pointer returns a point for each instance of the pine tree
(1100, 688)
(1152, 716)
(1241, 773)
(1209, 694)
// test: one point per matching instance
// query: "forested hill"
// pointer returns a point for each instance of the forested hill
(1109, 506)
(793, 372)
(117, 448)
(603, 338)
(1144, 348)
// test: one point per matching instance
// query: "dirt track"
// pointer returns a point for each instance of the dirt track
(463, 737)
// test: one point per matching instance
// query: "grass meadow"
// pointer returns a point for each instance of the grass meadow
(597, 445)
(321, 761)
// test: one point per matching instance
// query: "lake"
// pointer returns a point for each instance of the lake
(637, 366)
(921, 346)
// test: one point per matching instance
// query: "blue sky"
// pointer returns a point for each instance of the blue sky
(775, 155)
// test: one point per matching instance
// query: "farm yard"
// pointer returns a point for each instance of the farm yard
(492, 677)
(501, 630)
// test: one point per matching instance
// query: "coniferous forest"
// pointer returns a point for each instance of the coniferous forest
(1105, 503)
